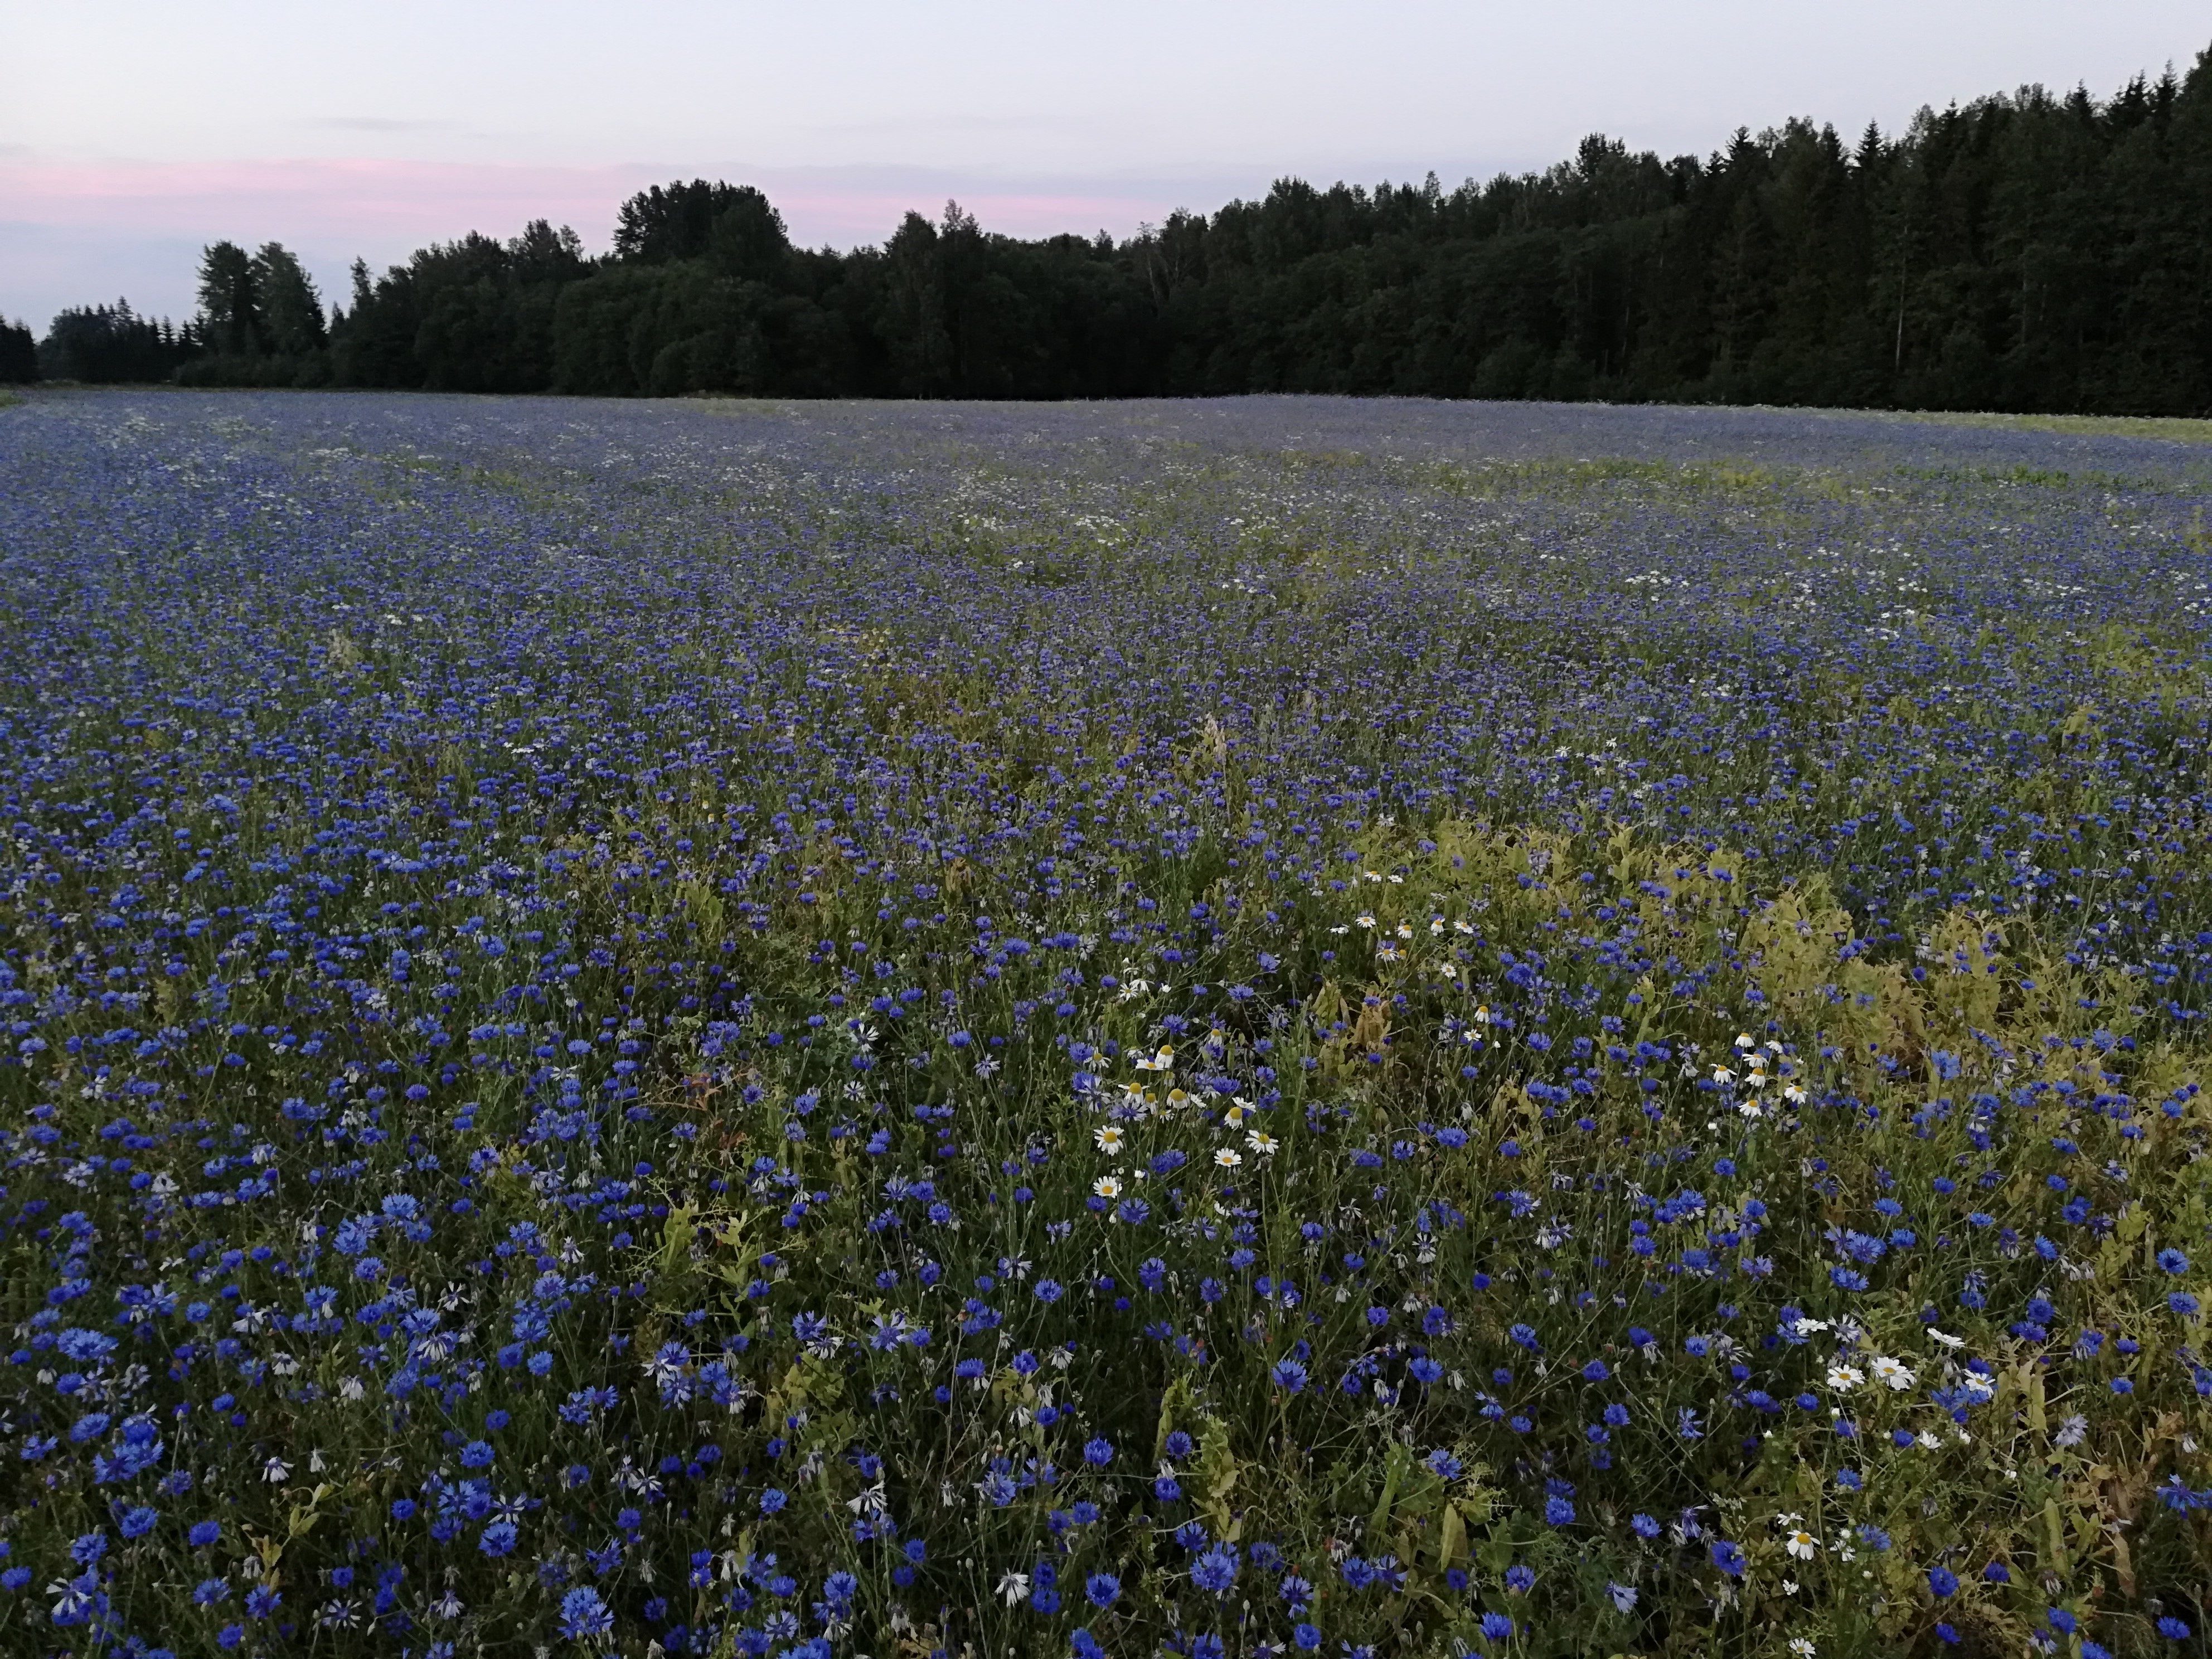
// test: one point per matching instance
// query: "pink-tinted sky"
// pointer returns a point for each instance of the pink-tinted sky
(134, 132)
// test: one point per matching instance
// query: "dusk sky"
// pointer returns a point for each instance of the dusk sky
(133, 133)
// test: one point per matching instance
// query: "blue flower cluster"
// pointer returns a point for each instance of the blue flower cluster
(1230, 1029)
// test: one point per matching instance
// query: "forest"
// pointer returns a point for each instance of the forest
(2030, 251)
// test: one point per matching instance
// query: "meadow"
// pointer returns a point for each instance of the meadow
(1228, 1029)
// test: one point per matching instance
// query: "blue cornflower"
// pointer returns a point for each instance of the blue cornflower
(1216, 1569)
(1102, 1588)
(584, 1615)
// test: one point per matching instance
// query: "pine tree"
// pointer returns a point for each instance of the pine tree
(291, 310)
(230, 301)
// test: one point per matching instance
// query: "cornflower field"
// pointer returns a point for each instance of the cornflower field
(1215, 1029)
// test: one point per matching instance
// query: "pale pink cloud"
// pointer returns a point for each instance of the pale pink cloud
(73, 231)
(375, 200)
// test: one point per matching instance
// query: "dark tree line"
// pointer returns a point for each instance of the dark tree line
(2030, 252)
(19, 354)
(101, 343)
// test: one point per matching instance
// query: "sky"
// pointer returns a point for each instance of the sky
(133, 133)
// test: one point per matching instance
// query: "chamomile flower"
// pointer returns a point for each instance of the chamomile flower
(1110, 1137)
(1262, 1142)
(1895, 1372)
(1228, 1158)
(1843, 1379)
(1107, 1185)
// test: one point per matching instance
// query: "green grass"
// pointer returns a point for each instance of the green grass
(2176, 429)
